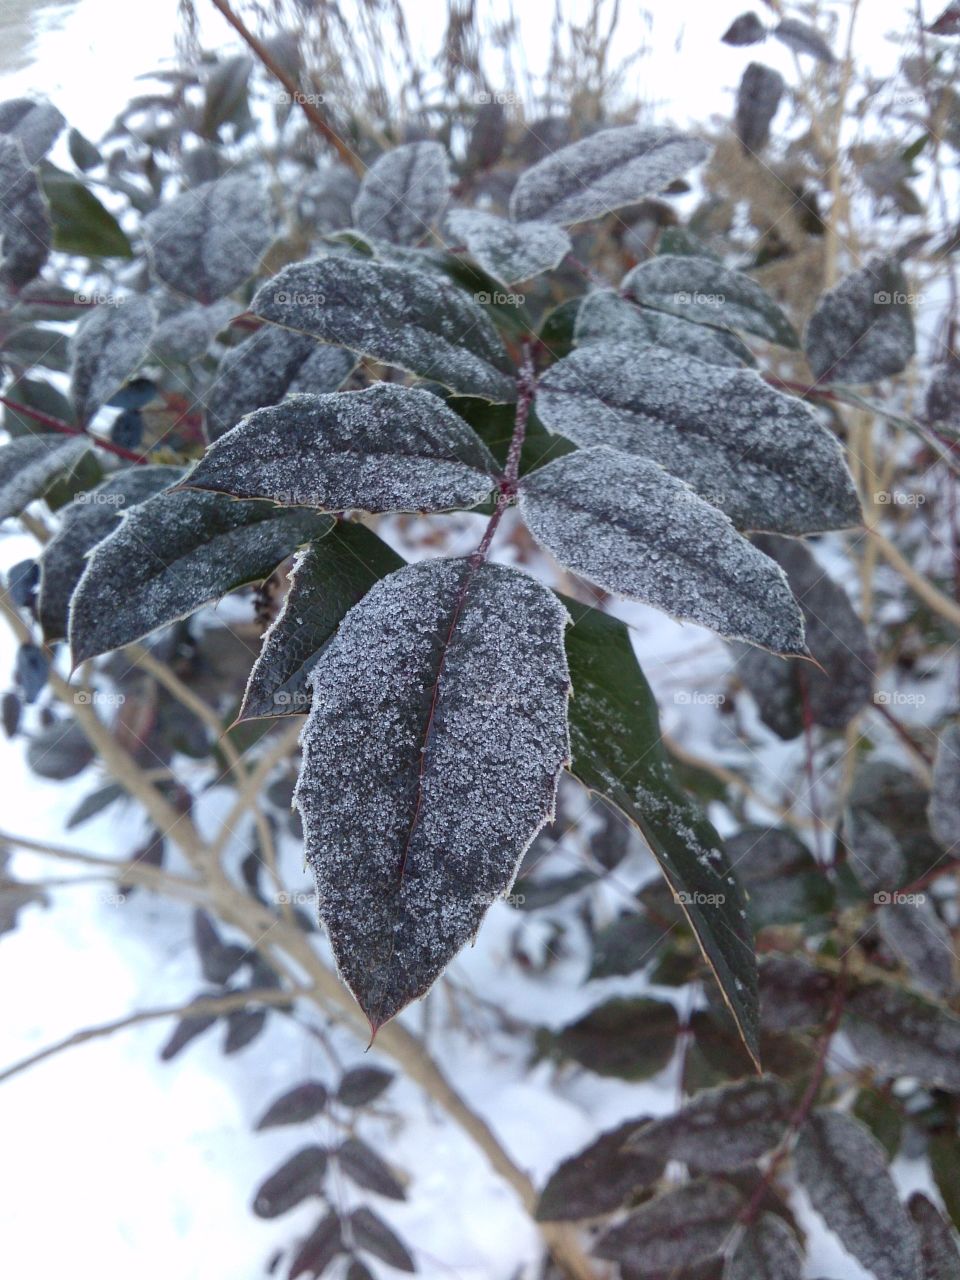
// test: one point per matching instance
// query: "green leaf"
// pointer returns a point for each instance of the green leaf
(30, 464)
(617, 751)
(329, 577)
(631, 1039)
(172, 554)
(81, 224)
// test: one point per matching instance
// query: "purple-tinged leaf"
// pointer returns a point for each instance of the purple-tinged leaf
(297, 1178)
(767, 1250)
(318, 1250)
(746, 29)
(631, 1039)
(944, 808)
(683, 1227)
(800, 37)
(371, 1233)
(600, 1178)
(363, 1085)
(938, 1247)
(300, 1104)
(900, 1034)
(35, 124)
(364, 1167)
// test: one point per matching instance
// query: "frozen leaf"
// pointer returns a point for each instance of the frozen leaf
(784, 882)
(862, 329)
(388, 448)
(170, 555)
(706, 292)
(329, 577)
(598, 1179)
(767, 1250)
(617, 752)
(371, 1233)
(914, 931)
(322, 1245)
(86, 521)
(109, 344)
(296, 1106)
(297, 1178)
(629, 527)
(209, 240)
(395, 315)
(720, 1129)
(261, 370)
(747, 29)
(362, 1085)
(36, 125)
(682, 1227)
(938, 1248)
(900, 1034)
(944, 807)
(81, 224)
(29, 465)
(25, 232)
(843, 1170)
(631, 1039)
(404, 192)
(625, 945)
(942, 401)
(605, 317)
(431, 756)
(802, 38)
(603, 172)
(875, 857)
(508, 251)
(793, 994)
(186, 335)
(760, 456)
(758, 98)
(364, 1167)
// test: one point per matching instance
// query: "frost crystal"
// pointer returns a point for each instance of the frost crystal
(403, 194)
(431, 757)
(760, 456)
(604, 316)
(25, 233)
(630, 527)
(396, 315)
(108, 345)
(509, 251)
(29, 464)
(388, 448)
(601, 173)
(211, 238)
(862, 329)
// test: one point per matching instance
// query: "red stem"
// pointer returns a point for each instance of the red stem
(65, 429)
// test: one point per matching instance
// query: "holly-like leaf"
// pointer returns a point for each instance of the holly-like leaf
(902, 1034)
(297, 1178)
(944, 807)
(767, 1250)
(209, 240)
(298, 1105)
(938, 1248)
(173, 553)
(403, 193)
(602, 173)
(758, 97)
(261, 370)
(34, 123)
(372, 1234)
(704, 291)
(605, 317)
(682, 1227)
(843, 1170)
(395, 315)
(862, 329)
(508, 251)
(25, 233)
(329, 577)
(802, 38)
(109, 344)
(29, 465)
(598, 1179)
(631, 1039)
(617, 752)
(431, 757)
(760, 456)
(630, 527)
(388, 448)
(86, 521)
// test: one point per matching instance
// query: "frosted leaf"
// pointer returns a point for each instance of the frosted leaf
(758, 97)
(944, 807)
(598, 1179)
(899, 1034)
(844, 1171)
(746, 29)
(862, 329)
(706, 292)
(86, 521)
(802, 38)
(209, 240)
(186, 335)
(603, 172)
(404, 192)
(30, 464)
(261, 369)
(682, 1227)
(395, 315)
(628, 526)
(785, 884)
(938, 1246)
(604, 316)
(942, 401)
(388, 448)
(170, 555)
(768, 1250)
(915, 933)
(107, 346)
(508, 251)
(759, 455)
(25, 233)
(874, 853)
(720, 1129)
(430, 761)
(793, 993)
(329, 577)
(36, 125)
